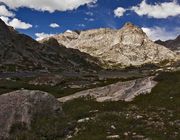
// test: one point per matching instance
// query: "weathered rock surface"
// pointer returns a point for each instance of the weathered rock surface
(125, 47)
(125, 91)
(23, 106)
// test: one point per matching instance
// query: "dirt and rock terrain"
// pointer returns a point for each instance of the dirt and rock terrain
(88, 85)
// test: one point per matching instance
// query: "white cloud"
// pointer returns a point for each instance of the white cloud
(48, 5)
(156, 33)
(54, 25)
(119, 12)
(5, 12)
(5, 19)
(158, 10)
(89, 13)
(81, 25)
(92, 4)
(89, 19)
(68, 31)
(43, 35)
(16, 23)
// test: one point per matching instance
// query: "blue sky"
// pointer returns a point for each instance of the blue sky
(160, 19)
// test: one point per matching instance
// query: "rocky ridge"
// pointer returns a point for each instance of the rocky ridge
(125, 47)
(20, 52)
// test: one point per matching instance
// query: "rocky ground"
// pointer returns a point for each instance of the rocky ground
(124, 91)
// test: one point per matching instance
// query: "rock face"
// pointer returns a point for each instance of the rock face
(125, 91)
(20, 52)
(128, 46)
(22, 107)
(173, 45)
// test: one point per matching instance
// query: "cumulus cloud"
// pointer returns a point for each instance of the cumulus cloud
(119, 12)
(16, 23)
(54, 25)
(158, 10)
(5, 12)
(92, 4)
(156, 33)
(48, 5)
(5, 19)
(43, 35)
(89, 19)
(89, 13)
(81, 25)
(8, 17)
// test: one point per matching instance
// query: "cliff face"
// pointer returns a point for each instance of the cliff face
(125, 47)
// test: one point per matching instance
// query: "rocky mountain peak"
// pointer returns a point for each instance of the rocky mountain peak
(178, 37)
(125, 47)
(2, 24)
(132, 35)
(129, 25)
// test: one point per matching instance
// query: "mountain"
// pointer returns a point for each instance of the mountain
(20, 52)
(173, 45)
(121, 48)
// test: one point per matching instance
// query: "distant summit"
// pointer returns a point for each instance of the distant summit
(173, 45)
(121, 48)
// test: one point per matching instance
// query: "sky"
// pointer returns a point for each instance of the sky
(160, 19)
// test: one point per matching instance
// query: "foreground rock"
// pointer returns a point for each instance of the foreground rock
(22, 107)
(125, 91)
(121, 48)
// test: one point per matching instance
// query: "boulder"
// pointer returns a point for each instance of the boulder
(23, 106)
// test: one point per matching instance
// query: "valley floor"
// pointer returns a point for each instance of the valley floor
(154, 116)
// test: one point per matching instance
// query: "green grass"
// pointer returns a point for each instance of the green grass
(159, 111)
(58, 91)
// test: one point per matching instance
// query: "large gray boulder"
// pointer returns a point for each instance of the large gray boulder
(120, 91)
(22, 107)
